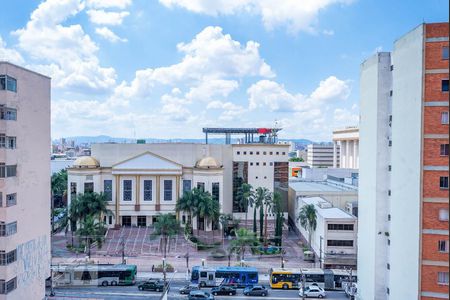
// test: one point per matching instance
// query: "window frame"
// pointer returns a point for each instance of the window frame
(443, 182)
(445, 51)
(444, 150)
(146, 191)
(127, 192)
(167, 192)
(444, 117)
(107, 189)
(443, 86)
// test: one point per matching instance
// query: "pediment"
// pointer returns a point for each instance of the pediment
(147, 161)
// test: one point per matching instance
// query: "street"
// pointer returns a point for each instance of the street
(132, 293)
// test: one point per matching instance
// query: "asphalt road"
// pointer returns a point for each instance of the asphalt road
(132, 293)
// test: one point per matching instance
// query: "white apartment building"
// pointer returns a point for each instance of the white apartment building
(142, 181)
(346, 148)
(24, 182)
(404, 171)
(319, 156)
(335, 239)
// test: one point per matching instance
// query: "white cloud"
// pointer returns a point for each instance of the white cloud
(210, 59)
(344, 117)
(208, 89)
(331, 89)
(106, 17)
(65, 51)
(107, 34)
(328, 32)
(108, 3)
(10, 55)
(295, 15)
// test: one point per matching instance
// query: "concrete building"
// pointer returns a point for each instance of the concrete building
(320, 156)
(403, 241)
(145, 180)
(24, 182)
(335, 239)
(346, 148)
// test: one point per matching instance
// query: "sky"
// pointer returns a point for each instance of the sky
(168, 68)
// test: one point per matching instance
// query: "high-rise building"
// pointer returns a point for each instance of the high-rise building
(319, 156)
(24, 182)
(404, 169)
(346, 148)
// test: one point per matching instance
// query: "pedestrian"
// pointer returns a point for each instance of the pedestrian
(153, 268)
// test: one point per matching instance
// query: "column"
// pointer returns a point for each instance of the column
(117, 223)
(356, 154)
(347, 153)
(343, 162)
(138, 189)
(335, 154)
(158, 192)
(177, 193)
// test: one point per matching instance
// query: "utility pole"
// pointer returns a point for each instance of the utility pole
(351, 284)
(282, 259)
(187, 260)
(164, 270)
(303, 283)
(320, 252)
(123, 250)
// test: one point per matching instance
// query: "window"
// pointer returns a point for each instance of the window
(443, 278)
(8, 229)
(392, 68)
(8, 258)
(168, 190)
(8, 286)
(264, 163)
(245, 152)
(270, 153)
(7, 171)
(346, 227)
(257, 152)
(278, 153)
(73, 190)
(391, 92)
(443, 182)
(8, 83)
(388, 266)
(8, 113)
(187, 185)
(340, 243)
(444, 117)
(215, 190)
(271, 163)
(389, 192)
(110, 220)
(8, 142)
(142, 221)
(389, 168)
(264, 153)
(127, 190)
(257, 163)
(148, 190)
(443, 246)
(126, 220)
(251, 152)
(201, 186)
(11, 199)
(390, 143)
(88, 187)
(284, 153)
(444, 52)
(238, 152)
(1, 199)
(251, 164)
(443, 215)
(444, 85)
(389, 217)
(444, 149)
(107, 189)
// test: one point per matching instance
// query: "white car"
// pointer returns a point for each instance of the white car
(313, 291)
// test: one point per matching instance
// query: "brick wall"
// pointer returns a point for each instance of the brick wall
(430, 277)
(433, 56)
(432, 152)
(432, 120)
(431, 216)
(436, 30)
(430, 244)
(433, 87)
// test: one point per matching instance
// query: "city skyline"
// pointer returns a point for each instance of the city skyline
(245, 62)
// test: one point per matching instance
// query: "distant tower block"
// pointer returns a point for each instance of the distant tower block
(263, 135)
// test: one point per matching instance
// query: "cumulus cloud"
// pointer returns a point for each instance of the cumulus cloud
(107, 34)
(69, 53)
(295, 15)
(10, 55)
(108, 3)
(102, 17)
(331, 88)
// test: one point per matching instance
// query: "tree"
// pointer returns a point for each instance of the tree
(213, 214)
(59, 186)
(91, 230)
(308, 219)
(279, 218)
(166, 226)
(187, 202)
(90, 204)
(244, 195)
(225, 220)
(244, 239)
(261, 196)
(296, 159)
(268, 205)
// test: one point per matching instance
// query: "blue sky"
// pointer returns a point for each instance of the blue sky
(167, 68)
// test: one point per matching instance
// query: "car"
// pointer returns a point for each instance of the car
(312, 291)
(223, 290)
(256, 290)
(200, 295)
(188, 288)
(151, 285)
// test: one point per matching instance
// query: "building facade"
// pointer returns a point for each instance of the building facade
(320, 156)
(142, 181)
(24, 182)
(404, 169)
(335, 239)
(346, 148)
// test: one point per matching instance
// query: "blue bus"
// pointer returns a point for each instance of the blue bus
(237, 276)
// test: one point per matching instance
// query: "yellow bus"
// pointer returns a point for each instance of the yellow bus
(287, 278)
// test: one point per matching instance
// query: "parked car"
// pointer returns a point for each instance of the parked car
(197, 295)
(312, 291)
(152, 285)
(223, 290)
(188, 288)
(256, 290)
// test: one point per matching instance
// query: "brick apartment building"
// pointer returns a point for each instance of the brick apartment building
(403, 237)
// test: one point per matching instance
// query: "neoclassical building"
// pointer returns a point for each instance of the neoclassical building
(142, 181)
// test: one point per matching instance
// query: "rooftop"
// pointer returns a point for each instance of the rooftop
(327, 212)
(315, 186)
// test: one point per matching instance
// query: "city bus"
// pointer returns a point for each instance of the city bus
(94, 275)
(238, 276)
(291, 278)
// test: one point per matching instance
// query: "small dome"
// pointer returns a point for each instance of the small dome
(207, 163)
(86, 162)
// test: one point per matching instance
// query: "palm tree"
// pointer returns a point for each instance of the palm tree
(244, 239)
(213, 213)
(166, 226)
(203, 205)
(308, 219)
(268, 205)
(260, 196)
(91, 230)
(278, 210)
(59, 184)
(187, 202)
(244, 195)
(91, 204)
(224, 220)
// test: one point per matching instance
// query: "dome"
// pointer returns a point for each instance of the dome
(207, 163)
(86, 162)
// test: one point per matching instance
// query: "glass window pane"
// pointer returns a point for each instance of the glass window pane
(107, 189)
(148, 190)
(11, 84)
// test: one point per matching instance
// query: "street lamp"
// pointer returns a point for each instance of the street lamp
(203, 262)
(164, 269)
